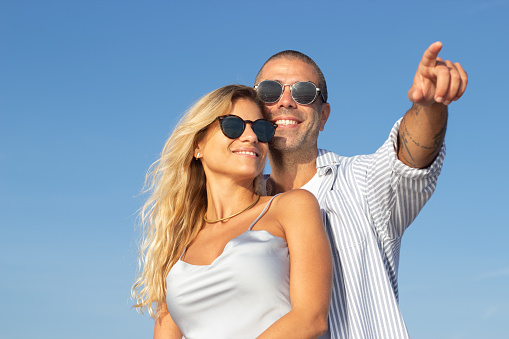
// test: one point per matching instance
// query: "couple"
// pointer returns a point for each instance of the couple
(221, 260)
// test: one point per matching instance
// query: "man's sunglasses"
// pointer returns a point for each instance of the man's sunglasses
(303, 92)
(233, 127)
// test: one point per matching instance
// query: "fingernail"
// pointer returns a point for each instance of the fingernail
(439, 99)
(447, 102)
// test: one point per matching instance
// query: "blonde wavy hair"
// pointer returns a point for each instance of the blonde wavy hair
(172, 216)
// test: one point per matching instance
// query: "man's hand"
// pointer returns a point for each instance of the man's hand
(436, 84)
(436, 80)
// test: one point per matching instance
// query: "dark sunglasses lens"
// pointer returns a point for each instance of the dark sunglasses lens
(232, 127)
(269, 91)
(264, 130)
(304, 93)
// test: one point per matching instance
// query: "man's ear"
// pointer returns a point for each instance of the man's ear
(324, 115)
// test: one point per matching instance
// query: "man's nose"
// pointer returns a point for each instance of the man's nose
(286, 99)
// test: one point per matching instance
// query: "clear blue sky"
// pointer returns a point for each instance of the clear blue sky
(90, 90)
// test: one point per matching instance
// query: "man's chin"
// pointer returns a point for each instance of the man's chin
(280, 144)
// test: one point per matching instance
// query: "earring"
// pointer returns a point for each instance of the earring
(197, 156)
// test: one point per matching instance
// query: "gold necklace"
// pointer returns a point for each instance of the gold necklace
(233, 215)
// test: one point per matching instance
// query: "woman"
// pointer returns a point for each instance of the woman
(216, 256)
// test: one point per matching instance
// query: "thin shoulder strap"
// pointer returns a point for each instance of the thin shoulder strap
(263, 212)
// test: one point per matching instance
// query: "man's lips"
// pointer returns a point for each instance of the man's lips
(281, 122)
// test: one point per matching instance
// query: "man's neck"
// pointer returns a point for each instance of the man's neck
(291, 171)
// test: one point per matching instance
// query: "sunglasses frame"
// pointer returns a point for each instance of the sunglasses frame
(244, 122)
(318, 91)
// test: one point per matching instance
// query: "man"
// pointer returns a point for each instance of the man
(367, 201)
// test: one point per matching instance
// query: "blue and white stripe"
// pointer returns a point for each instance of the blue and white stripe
(367, 202)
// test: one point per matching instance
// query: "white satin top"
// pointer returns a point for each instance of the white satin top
(239, 295)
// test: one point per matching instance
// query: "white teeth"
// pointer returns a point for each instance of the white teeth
(286, 122)
(245, 152)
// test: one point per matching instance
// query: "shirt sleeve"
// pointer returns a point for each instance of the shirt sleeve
(396, 193)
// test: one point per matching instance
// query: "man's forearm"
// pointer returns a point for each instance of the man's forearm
(421, 134)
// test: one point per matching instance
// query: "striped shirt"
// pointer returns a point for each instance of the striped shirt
(367, 202)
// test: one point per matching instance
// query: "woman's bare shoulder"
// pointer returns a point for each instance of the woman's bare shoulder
(297, 194)
(295, 201)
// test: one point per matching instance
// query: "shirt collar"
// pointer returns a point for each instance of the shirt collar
(325, 160)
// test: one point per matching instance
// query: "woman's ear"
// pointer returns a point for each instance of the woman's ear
(198, 151)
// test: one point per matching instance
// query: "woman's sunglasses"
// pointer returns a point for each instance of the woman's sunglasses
(233, 127)
(303, 92)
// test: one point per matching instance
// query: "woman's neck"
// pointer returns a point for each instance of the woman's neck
(225, 199)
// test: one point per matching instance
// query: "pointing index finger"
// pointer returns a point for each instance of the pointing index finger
(429, 57)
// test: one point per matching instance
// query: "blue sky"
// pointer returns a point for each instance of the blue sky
(90, 90)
